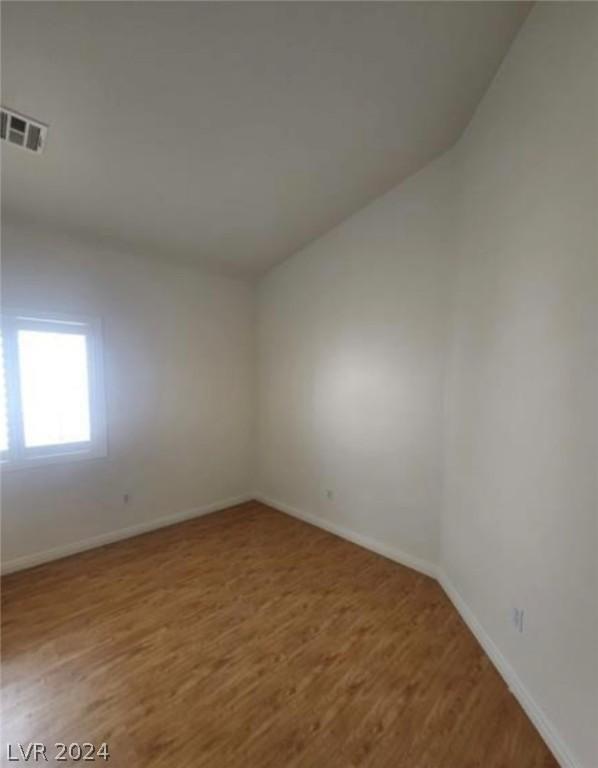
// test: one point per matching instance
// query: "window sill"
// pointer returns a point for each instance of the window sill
(45, 460)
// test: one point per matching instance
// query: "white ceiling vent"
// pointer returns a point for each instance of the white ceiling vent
(22, 131)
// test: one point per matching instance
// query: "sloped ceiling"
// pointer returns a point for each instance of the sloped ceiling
(232, 134)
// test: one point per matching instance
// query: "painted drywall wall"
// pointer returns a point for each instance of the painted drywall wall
(520, 519)
(350, 338)
(462, 307)
(178, 357)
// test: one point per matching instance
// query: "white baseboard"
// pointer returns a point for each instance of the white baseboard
(535, 713)
(392, 553)
(37, 558)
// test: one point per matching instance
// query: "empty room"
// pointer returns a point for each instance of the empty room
(299, 384)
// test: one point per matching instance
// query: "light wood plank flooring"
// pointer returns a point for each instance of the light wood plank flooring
(249, 639)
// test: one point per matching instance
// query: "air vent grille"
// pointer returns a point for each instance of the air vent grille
(22, 131)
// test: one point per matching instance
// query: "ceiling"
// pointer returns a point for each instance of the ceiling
(232, 134)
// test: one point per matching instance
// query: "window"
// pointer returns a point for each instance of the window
(51, 389)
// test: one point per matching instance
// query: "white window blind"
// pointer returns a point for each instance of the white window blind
(51, 389)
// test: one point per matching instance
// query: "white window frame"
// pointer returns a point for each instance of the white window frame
(18, 456)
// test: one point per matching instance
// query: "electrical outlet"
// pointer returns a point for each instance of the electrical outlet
(126, 498)
(517, 618)
(330, 495)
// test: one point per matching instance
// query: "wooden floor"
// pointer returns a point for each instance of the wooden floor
(247, 638)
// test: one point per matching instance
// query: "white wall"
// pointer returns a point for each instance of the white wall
(520, 523)
(354, 394)
(178, 354)
(351, 333)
